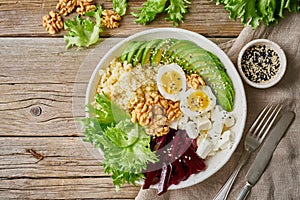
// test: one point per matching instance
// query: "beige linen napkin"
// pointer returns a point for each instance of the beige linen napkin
(281, 180)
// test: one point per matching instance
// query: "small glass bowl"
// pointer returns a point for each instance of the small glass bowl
(260, 43)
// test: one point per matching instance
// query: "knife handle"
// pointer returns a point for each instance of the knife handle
(245, 191)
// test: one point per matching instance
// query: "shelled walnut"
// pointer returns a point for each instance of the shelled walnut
(85, 6)
(65, 7)
(155, 112)
(110, 19)
(53, 22)
(194, 81)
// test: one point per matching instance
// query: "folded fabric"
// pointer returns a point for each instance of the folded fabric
(281, 180)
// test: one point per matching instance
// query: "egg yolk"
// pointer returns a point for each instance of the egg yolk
(171, 82)
(198, 101)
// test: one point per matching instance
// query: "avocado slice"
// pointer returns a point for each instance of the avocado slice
(167, 57)
(138, 56)
(187, 52)
(123, 57)
(149, 50)
(160, 49)
(133, 50)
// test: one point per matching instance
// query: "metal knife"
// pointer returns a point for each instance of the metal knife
(265, 153)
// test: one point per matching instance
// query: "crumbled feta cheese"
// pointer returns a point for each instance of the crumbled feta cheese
(182, 121)
(215, 132)
(224, 141)
(204, 124)
(173, 124)
(191, 129)
(220, 115)
(204, 147)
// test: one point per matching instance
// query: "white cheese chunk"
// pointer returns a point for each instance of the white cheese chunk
(174, 124)
(182, 121)
(224, 141)
(222, 116)
(215, 132)
(191, 129)
(204, 147)
(204, 124)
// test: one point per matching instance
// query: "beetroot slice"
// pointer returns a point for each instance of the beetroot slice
(178, 160)
(165, 176)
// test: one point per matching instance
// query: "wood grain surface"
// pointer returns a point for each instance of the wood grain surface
(24, 18)
(42, 90)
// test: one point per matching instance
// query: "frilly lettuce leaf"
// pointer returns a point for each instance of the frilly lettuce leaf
(120, 6)
(256, 11)
(125, 145)
(149, 10)
(83, 32)
(176, 10)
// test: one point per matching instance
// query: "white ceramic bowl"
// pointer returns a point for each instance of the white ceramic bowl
(282, 60)
(240, 106)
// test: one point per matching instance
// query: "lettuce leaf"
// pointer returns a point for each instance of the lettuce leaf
(83, 32)
(120, 6)
(149, 10)
(125, 145)
(256, 11)
(176, 10)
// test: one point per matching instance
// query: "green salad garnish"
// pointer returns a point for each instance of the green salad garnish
(125, 145)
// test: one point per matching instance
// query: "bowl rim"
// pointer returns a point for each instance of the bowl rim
(239, 100)
(282, 59)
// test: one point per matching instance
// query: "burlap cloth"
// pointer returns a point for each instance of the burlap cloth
(281, 180)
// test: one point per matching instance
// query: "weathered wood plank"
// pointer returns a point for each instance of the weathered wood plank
(24, 18)
(64, 188)
(67, 171)
(62, 157)
(40, 72)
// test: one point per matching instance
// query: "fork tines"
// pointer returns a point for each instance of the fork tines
(265, 120)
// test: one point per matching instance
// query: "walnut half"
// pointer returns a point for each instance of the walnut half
(194, 81)
(85, 6)
(110, 19)
(53, 22)
(66, 6)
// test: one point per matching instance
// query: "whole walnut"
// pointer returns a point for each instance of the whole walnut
(53, 22)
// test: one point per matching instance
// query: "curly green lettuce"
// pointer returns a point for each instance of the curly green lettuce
(83, 32)
(256, 11)
(149, 10)
(175, 10)
(125, 145)
(120, 6)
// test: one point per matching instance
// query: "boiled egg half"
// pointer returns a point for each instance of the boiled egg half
(171, 81)
(197, 102)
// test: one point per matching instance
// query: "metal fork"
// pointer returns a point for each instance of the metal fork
(254, 138)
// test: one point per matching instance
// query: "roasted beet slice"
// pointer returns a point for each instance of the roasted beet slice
(178, 173)
(165, 176)
(177, 160)
(150, 175)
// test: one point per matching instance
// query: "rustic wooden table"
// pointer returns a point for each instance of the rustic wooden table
(37, 78)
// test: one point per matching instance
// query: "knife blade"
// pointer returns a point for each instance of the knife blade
(265, 153)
